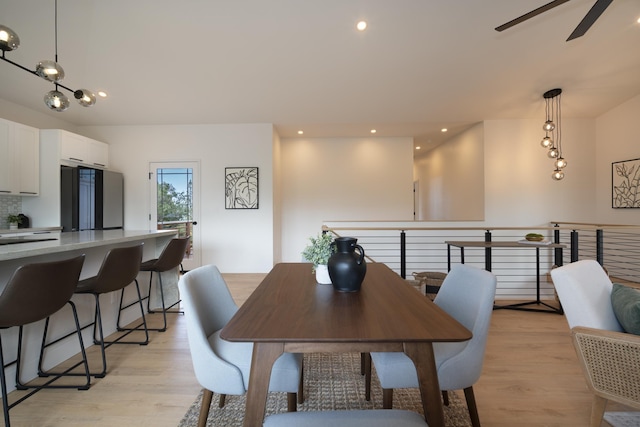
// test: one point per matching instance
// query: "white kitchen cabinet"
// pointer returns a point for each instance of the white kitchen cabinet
(19, 159)
(80, 150)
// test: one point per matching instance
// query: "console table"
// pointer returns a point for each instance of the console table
(511, 244)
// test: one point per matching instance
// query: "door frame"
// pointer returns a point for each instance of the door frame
(196, 256)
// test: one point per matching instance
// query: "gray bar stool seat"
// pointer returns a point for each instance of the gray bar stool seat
(170, 258)
(35, 292)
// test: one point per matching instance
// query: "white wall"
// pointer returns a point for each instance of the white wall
(237, 241)
(618, 136)
(342, 178)
(451, 179)
(519, 190)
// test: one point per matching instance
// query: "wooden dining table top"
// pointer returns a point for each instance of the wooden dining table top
(289, 306)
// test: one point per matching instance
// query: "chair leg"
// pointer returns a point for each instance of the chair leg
(301, 385)
(291, 402)
(221, 402)
(471, 405)
(136, 328)
(366, 358)
(97, 324)
(387, 398)
(207, 395)
(3, 386)
(67, 372)
(598, 406)
(164, 310)
(445, 397)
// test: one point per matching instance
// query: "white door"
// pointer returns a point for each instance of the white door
(175, 203)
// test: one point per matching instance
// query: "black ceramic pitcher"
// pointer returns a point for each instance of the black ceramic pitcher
(347, 267)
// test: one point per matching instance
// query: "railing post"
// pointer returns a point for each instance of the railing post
(600, 246)
(487, 251)
(557, 252)
(403, 254)
(574, 246)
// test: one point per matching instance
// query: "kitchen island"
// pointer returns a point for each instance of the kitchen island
(94, 244)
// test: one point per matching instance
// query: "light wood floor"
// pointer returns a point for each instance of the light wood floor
(530, 378)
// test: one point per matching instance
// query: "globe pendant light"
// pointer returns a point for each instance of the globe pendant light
(50, 70)
(9, 40)
(56, 100)
(47, 69)
(553, 132)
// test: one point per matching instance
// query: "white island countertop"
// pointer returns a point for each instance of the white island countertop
(76, 240)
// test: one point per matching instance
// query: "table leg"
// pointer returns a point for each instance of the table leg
(422, 355)
(264, 355)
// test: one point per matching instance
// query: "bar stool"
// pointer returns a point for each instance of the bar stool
(170, 258)
(35, 292)
(119, 269)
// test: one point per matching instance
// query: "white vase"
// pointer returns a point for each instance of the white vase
(14, 226)
(322, 275)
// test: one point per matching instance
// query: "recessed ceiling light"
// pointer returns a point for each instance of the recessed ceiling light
(638, 21)
(418, 147)
(300, 132)
(102, 93)
(373, 131)
(361, 26)
(444, 129)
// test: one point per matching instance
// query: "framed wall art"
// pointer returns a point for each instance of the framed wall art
(241, 188)
(625, 182)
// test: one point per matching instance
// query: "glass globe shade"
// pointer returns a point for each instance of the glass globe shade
(548, 126)
(56, 100)
(50, 70)
(85, 97)
(557, 175)
(553, 152)
(561, 163)
(9, 40)
(546, 142)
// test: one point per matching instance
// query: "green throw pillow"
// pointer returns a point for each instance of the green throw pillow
(626, 306)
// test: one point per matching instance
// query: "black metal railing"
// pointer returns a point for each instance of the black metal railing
(408, 249)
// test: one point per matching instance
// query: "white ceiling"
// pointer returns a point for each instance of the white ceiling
(421, 65)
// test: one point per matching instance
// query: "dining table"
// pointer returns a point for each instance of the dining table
(290, 312)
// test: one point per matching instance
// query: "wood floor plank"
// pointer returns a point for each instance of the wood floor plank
(530, 378)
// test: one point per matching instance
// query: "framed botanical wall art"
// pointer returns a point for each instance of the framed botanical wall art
(625, 183)
(241, 188)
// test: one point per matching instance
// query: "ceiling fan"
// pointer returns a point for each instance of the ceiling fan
(590, 18)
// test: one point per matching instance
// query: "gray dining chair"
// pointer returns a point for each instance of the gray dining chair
(221, 366)
(467, 294)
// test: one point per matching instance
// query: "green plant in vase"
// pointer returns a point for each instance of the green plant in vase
(14, 220)
(318, 252)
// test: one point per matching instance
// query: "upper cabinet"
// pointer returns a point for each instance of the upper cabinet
(19, 159)
(80, 150)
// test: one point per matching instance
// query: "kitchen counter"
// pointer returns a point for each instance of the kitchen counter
(77, 240)
(7, 232)
(94, 245)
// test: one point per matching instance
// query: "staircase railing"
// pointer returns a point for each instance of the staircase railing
(410, 247)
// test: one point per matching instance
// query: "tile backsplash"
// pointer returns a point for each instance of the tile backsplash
(9, 205)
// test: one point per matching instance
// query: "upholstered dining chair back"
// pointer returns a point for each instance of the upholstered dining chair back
(467, 294)
(222, 366)
(208, 306)
(584, 289)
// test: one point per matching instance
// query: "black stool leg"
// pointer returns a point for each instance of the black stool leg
(136, 328)
(3, 385)
(97, 324)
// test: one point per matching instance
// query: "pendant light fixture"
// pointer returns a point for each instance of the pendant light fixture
(46, 69)
(552, 128)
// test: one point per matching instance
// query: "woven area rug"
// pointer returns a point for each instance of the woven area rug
(332, 381)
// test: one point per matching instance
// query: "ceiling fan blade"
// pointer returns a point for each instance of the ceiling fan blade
(531, 14)
(590, 18)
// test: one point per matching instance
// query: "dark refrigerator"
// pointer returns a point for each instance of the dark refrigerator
(91, 199)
